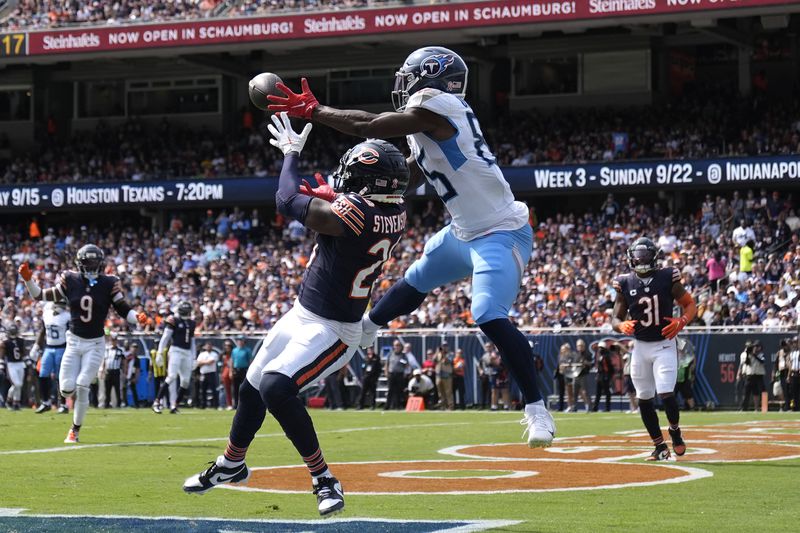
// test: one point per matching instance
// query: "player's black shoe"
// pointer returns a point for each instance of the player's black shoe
(661, 453)
(330, 496)
(678, 446)
(174, 411)
(63, 409)
(156, 408)
(216, 475)
(43, 408)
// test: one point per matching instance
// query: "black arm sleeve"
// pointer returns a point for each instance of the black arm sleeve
(122, 307)
(289, 201)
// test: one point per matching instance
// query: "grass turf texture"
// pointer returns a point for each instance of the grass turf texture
(146, 479)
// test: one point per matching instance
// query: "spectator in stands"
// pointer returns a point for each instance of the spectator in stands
(746, 260)
(241, 357)
(743, 233)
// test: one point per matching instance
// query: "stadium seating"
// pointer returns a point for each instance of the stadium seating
(38, 14)
(242, 272)
(160, 150)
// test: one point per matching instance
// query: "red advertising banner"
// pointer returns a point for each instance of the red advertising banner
(364, 21)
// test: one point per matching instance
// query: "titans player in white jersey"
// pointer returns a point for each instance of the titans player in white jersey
(489, 237)
(52, 339)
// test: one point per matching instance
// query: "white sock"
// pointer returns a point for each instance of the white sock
(534, 405)
(81, 404)
(227, 463)
(173, 394)
(326, 473)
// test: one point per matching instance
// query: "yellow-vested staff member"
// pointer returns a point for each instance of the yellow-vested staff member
(159, 373)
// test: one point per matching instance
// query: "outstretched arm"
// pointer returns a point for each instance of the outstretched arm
(359, 123)
(53, 294)
(314, 213)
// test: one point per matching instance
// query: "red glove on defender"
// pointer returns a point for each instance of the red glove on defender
(25, 272)
(323, 191)
(295, 105)
(627, 327)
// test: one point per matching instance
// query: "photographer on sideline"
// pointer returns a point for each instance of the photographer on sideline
(422, 386)
(752, 368)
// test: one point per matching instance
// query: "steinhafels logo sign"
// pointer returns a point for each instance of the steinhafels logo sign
(620, 6)
(71, 41)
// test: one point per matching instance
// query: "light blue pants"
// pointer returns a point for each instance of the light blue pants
(51, 362)
(495, 261)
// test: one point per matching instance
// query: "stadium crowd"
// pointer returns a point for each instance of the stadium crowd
(739, 255)
(690, 128)
(42, 14)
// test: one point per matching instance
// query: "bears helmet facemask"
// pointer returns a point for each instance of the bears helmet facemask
(643, 256)
(184, 309)
(376, 169)
(89, 261)
(432, 67)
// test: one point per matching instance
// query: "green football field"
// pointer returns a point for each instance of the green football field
(132, 463)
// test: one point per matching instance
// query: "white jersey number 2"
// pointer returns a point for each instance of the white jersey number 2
(383, 249)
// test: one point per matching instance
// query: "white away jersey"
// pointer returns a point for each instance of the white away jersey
(55, 326)
(463, 171)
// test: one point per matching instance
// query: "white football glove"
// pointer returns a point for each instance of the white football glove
(285, 138)
(160, 359)
(36, 350)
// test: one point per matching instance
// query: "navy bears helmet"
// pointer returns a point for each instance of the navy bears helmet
(432, 67)
(89, 261)
(643, 256)
(184, 309)
(375, 169)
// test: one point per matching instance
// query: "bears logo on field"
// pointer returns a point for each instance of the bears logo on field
(573, 463)
(433, 66)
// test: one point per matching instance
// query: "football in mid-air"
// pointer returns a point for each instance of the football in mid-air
(262, 85)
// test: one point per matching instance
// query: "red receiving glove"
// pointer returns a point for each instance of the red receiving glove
(674, 327)
(627, 327)
(323, 191)
(295, 105)
(25, 272)
(142, 319)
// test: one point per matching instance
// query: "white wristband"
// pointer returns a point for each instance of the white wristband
(34, 289)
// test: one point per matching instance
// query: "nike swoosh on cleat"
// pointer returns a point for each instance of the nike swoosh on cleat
(221, 479)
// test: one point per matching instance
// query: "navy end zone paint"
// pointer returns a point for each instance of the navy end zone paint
(49, 523)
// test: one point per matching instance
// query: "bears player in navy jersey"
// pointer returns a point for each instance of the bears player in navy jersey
(647, 295)
(179, 336)
(489, 237)
(88, 294)
(357, 229)
(12, 349)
